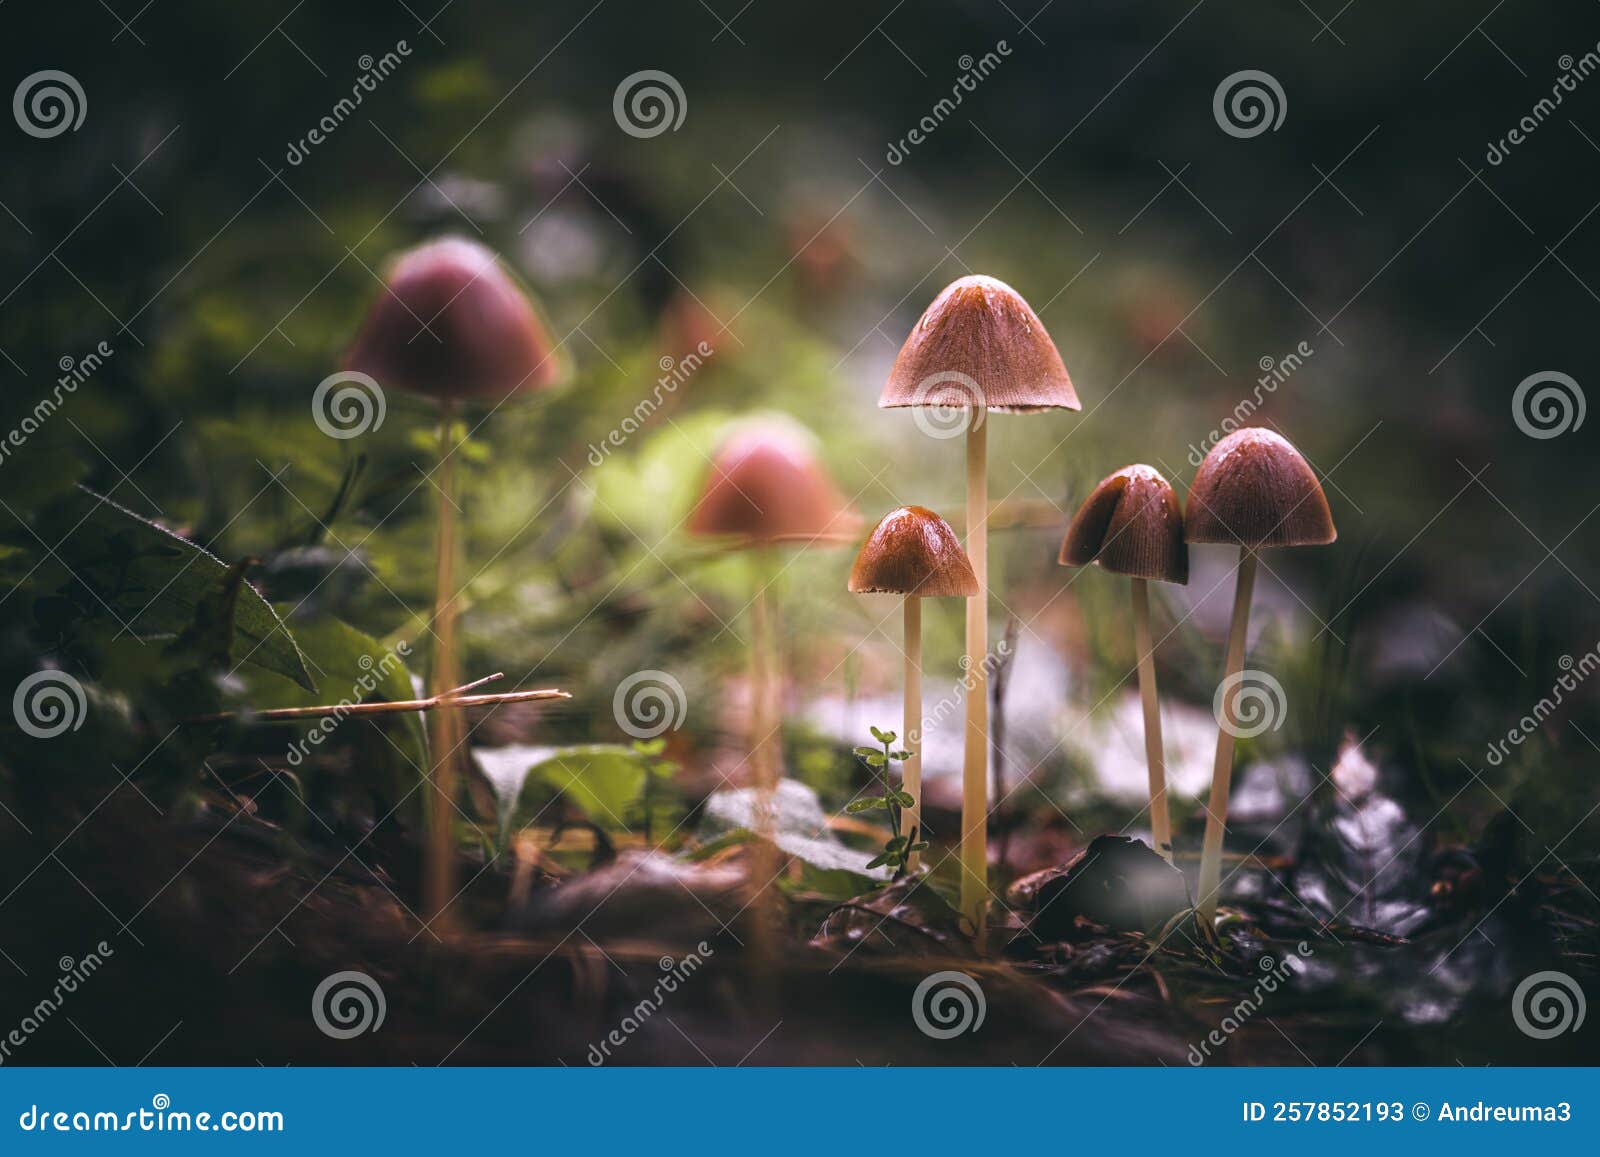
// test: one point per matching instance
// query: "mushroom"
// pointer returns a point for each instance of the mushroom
(978, 347)
(913, 553)
(1132, 524)
(1254, 490)
(766, 487)
(453, 326)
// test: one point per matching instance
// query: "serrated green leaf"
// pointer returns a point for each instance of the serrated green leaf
(155, 581)
(862, 805)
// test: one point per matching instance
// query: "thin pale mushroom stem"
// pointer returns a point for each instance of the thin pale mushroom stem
(1222, 770)
(444, 726)
(765, 753)
(975, 761)
(1154, 752)
(911, 769)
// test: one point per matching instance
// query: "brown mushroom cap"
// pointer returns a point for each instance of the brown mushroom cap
(451, 323)
(766, 485)
(913, 552)
(1130, 524)
(980, 345)
(1254, 489)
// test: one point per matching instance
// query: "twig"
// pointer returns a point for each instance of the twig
(451, 698)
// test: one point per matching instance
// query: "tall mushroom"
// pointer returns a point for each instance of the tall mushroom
(1132, 524)
(767, 487)
(913, 553)
(453, 326)
(978, 347)
(1253, 490)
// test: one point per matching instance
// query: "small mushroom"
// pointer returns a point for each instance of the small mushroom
(1132, 524)
(453, 326)
(1254, 490)
(978, 347)
(767, 488)
(913, 553)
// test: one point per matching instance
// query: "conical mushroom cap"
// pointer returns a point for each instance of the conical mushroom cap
(766, 485)
(451, 323)
(913, 552)
(1254, 489)
(1131, 524)
(980, 345)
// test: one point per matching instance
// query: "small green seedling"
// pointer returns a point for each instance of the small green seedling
(901, 846)
(649, 750)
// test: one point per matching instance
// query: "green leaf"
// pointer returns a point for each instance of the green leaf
(900, 755)
(649, 746)
(155, 582)
(866, 752)
(918, 847)
(875, 759)
(879, 861)
(895, 844)
(863, 805)
(603, 779)
(905, 799)
(880, 736)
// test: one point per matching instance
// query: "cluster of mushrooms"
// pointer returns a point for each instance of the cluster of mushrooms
(453, 326)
